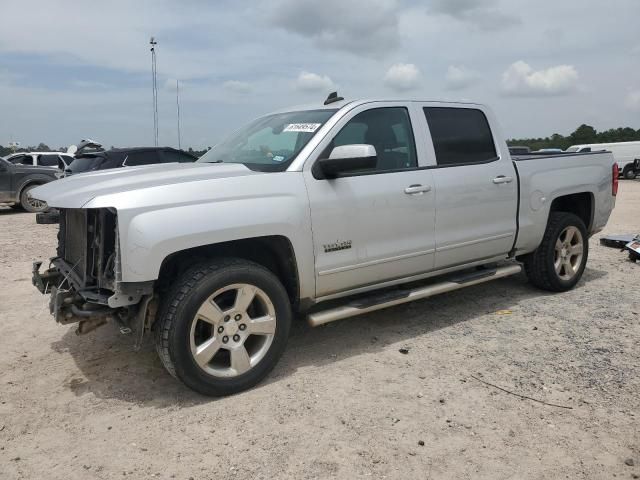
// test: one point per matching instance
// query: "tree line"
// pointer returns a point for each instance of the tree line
(583, 134)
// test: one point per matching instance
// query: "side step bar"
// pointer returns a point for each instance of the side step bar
(397, 297)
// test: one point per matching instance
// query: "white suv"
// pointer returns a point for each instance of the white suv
(58, 160)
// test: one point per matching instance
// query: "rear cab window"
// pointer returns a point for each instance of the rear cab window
(461, 136)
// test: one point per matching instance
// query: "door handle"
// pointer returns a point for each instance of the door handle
(502, 179)
(417, 189)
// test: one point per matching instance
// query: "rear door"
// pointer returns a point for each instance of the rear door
(375, 225)
(476, 187)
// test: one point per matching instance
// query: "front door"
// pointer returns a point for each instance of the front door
(374, 225)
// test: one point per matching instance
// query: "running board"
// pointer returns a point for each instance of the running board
(396, 297)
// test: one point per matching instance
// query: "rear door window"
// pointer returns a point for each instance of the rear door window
(460, 136)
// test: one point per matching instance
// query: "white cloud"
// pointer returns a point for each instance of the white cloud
(636, 50)
(237, 86)
(522, 80)
(312, 82)
(402, 77)
(357, 26)
(632, 101)
(460, 77)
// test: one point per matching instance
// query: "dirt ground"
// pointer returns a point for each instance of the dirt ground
(343, 402)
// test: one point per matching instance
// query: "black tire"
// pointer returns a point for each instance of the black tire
(16, 206)
(30, 206)
(178, 312)
(629, 173)
(539, 265)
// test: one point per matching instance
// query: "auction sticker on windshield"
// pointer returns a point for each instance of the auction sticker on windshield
(302, 127)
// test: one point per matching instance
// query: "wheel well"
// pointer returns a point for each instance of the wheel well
(272, 252)
(580, 204)
(28, 184)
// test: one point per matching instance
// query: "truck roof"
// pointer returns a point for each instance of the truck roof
(361, 101)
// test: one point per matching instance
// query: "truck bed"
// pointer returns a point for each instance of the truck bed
(547, 176)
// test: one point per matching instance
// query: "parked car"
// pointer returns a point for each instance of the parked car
(549, 150)
(519, 150)
(57, 160)
(16, 182)
(625, 153)
(126, 157)
(328, 211)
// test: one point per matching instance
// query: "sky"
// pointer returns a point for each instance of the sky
(76, 69)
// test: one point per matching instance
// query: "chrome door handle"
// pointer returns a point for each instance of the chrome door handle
(502, 179)
(417, 189)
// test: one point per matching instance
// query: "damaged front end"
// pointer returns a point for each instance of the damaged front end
(84, 278)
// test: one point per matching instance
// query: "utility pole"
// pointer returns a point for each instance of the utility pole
(154, 73)
(178, 109)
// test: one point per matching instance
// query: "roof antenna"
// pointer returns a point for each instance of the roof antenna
(333, 97)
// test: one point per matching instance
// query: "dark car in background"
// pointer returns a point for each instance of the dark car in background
(17, 180)
(126, 157)
(519, 150)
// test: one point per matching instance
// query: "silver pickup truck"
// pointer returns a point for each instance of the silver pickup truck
(325, 211)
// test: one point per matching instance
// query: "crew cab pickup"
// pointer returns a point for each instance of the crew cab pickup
(326, 211)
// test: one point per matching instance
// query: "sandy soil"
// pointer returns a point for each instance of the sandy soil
(343, 402)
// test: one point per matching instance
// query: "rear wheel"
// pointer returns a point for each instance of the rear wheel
(629, 173)
(559, 261)
(223, 327)
(29, 203)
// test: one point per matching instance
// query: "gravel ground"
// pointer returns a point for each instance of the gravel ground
(344, 401)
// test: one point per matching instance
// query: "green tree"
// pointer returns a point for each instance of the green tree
(584, 134)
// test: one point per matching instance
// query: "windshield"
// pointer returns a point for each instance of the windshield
(269, 144)
(572, 149)
(84, 164)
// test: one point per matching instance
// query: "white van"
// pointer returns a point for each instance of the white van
(625, 153)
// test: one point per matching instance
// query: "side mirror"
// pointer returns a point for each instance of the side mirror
(348, 158)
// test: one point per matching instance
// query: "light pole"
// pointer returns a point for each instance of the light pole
(178, 109)
(154, 73)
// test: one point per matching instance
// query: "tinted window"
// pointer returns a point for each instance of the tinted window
(388, 130)
(48, 160)
(142, 158)
(85, 164)
(22, 160)
(460, 135)
(174, 156)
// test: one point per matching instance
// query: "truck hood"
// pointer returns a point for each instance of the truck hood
(78, 190)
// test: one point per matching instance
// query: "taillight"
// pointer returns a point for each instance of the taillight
(615, 170)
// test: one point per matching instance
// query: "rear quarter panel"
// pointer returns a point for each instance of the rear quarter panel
(542, 180)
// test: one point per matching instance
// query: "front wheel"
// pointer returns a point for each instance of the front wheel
(223, 326)
(559, 261)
